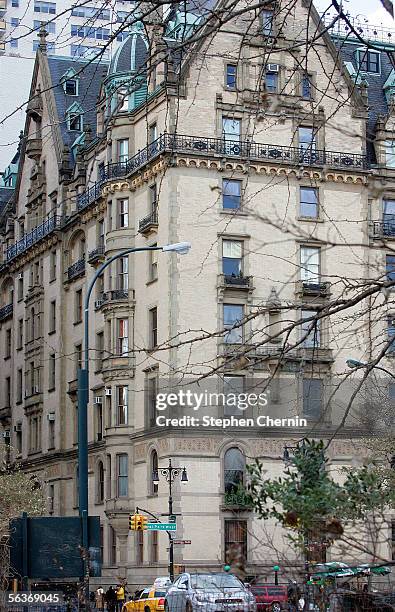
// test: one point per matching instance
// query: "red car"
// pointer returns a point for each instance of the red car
(270, 597)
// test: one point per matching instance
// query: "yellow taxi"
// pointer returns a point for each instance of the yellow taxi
(151, 599)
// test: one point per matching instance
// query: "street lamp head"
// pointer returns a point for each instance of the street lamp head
(184, 476)
(354, 363)
(155, 477)
(178, 247)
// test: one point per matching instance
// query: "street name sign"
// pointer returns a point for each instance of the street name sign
(161, 526)
(180, 542)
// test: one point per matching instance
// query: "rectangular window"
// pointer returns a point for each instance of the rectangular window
(150, 401)
(393, 540)
(112, 546)
(122, 475)
(153, 197)
(309, 202)
(18, 438)
(51, 431)
(91, 11)
(123, 213)
(267, 22)
(310, 264)
(78, 306)
(20, 287)
(154, 549)
(233, 386)
(123, 150)
(231, 75)
(123, 278)
(307, 138)
(231, 194)
(231, 129)
(122, 405)
(52, 372)
(99, 426)
(152, 133)
(8, 343)
(52, 316)
(233, 317)
(44, 7)
(101, 233)
(369, 61)
(312, 397)
(78, 358)
(153, 265)
(7, 392)
(15, 3)
(310, 329)
(75, 122)
(35, 433)
(390, 153)
(140, 548)
(14, 43)
(389, 217)
(123, 337)
(232, 251)
(391, 333)
(20, 334)
(19, 385)
(235, 541)
(306, 87)
(50, 46)
(52, 266)
(153, 328)
(87, 31)
(390, 267)
(50, 26)
(99, 351)
(271, 81)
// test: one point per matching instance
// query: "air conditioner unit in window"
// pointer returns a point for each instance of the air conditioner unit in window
(51, 416)
(18, 427)
(108, 391)
(272, 68)
(98, 400)
(7, 434)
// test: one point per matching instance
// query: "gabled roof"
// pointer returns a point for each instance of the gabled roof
(90, 79)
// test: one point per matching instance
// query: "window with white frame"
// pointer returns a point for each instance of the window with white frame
(123, 213)
(311, 333)
(123, 276)
(310, 264)
(313, 389)
(267, 16)
(122, 475)
(123, 149)
(233, 316)
(232, 257)
(123, 337)
(368, 60)
(122, 404)
(231, 129)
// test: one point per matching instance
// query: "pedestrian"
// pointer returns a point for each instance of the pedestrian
(120, 597)
(99, 598)
(111, 599)
(301, 603)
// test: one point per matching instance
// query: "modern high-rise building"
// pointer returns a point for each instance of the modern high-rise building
(268, 145)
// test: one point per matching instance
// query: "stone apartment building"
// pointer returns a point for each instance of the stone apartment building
(263, 163)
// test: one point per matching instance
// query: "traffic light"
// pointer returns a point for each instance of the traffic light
(141, 522)
(144, 521)
(132, 522)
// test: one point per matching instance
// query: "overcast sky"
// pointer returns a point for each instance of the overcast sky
(372, 9)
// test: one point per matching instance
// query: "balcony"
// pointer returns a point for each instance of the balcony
(6, 312)
(218, 147)
(313, 288)
(116, 295)
(35, 235)
(149, 223)
(235, 282)
(383, 229)
(236, 500)
(97, 255)
(89, 196)
(76, 270)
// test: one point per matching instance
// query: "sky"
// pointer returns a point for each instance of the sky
(371, 9)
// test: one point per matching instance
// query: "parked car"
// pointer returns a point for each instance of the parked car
(209, 593)
(270, 597)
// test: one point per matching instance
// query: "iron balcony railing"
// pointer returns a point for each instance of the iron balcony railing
(97, 253)
(6, 311)
(314, 287)
(383, 229)
(115, 295)
(75, 270)
(35, 235)
(237, 281)
(148, 221)
(245, 149)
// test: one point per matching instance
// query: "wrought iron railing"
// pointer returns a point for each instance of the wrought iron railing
(178, 143)
(314, 288)
(35, 235)
(115, 295)
(383, 229)
(238, 281)
(6, 311)
(96, 253)
(75, 270)
(237, 498)
(149, 220)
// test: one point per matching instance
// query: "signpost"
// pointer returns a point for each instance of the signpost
(161, 526)
(180, 542)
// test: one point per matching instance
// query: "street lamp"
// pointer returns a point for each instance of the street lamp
(83, 397)
(170, 473)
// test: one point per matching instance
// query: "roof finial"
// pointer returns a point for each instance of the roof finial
(42, 35)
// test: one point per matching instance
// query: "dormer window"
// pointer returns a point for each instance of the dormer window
(74, 118)
(71, 87)
(368, 61)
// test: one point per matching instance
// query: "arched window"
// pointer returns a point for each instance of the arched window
(234, 469)
(154, 470)
(100, 482)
